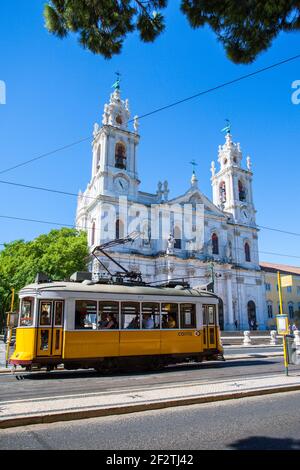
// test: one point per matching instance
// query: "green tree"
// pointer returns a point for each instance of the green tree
(244, 27)
(58, 253)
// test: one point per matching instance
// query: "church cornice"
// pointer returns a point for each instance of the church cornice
(110, 130)
(233, 170)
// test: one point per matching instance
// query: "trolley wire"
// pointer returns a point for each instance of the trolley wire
(91, 228)
(162, 108)
(68, 193)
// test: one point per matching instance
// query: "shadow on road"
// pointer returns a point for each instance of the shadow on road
(90, 373)
(266, 443)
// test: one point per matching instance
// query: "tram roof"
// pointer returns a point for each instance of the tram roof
(115, 289)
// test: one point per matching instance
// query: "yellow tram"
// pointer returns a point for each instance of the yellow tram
(94, 325)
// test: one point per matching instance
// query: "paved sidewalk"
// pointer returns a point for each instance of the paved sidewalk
(46, 409)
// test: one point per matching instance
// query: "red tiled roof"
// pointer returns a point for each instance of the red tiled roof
(283, 268)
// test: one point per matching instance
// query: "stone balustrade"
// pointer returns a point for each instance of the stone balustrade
(273, 339)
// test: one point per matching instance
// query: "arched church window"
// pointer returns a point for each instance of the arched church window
(291, 309)
(93, 233)
(215, 244)
(242, 191)
(270, 309)
(247, 252)
(120, 156)
(119, 229)
(223, 191)
(177, 238)
(98, 157)
(119, 120)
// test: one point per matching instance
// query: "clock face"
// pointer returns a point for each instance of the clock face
(121, 184)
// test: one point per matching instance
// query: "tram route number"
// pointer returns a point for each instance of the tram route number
(153, 459)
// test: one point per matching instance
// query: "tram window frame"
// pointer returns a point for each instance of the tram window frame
(204, 314)
(156, 315)
(100, 313)
(78, 321)
(133, 315)
(192, 324)
(164, 313)
(56, 323)
(28, 319)
(211, 311)
(41, 303)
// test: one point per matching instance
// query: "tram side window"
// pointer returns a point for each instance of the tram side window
(169, 316)
(130, 315)
(58, 315)
(26, 316)
(85, 314)
(108, 318)
(150, 316)
(188, 315)
(45, 313)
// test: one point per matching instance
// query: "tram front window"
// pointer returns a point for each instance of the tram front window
(26, 316)
(169, 316)
(85, 314)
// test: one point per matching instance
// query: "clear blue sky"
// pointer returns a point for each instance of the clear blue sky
(56, 91)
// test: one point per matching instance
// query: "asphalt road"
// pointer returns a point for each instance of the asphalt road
(266, 423)
(43, 384)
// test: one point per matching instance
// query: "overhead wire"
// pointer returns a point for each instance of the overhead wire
(162, 108)
(95, 228)
(68, 193)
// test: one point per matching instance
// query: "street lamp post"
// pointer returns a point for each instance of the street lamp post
(213, 275)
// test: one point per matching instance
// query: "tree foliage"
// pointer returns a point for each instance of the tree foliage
(244, 27)
(58, 253)
(103, 25)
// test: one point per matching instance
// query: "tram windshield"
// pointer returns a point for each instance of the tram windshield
(26, 312)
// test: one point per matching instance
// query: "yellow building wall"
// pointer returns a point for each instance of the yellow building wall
(287, 297)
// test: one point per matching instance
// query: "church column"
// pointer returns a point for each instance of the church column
(229, 319)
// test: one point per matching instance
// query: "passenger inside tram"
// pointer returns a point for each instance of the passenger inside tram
(148, 322)
(135, 323)
(110, 323)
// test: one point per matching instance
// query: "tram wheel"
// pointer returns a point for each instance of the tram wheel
(107, 367)
(155, 364)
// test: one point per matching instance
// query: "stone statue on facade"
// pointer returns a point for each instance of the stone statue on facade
(171, 244)
(96, 129)
(136, 124)
(249, 163)
(213, 168)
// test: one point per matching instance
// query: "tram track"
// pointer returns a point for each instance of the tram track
(45, 385)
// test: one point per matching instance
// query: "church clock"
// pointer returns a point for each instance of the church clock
(121, 184)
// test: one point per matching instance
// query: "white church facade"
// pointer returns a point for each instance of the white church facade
(226, 252)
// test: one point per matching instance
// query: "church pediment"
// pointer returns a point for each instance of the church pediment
(196, 197)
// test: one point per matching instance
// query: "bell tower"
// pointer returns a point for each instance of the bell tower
(115, 148)
(232, 184)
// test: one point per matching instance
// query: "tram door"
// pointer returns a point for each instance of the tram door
(209, 327)
(50, 328)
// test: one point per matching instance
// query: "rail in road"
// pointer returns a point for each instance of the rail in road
(60, 383)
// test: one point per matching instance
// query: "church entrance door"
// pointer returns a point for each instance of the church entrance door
(252, 315)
